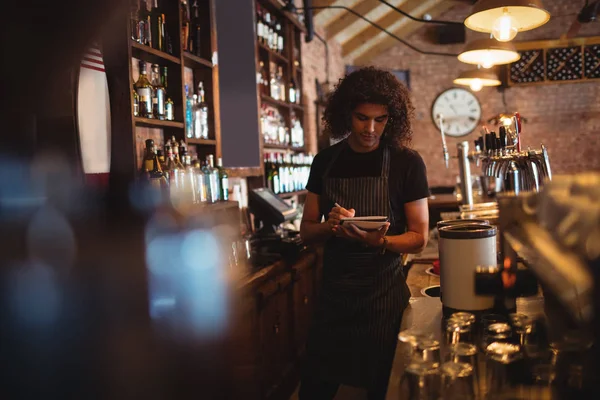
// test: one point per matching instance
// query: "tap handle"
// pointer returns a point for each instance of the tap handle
(494, 141)
(503, 137)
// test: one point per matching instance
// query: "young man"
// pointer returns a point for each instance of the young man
(371, 172)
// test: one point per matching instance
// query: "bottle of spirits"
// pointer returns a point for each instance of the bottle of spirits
(185, 25)
(151, 169)
(281, 83)
(275, 33)
(203, 107)
(269, 30)
(189, 116)
(259, 24)
(292, 91)
(223, 180)
(260, 74)
(156, 26)
(279, 44)
(134, 22)
(144, 92)
(211, 175)
(159, 94)
(195, 36)
(136, 104)
(196, 117)
(274, 86)
(169, 110)
(145, 34)
(200, 182)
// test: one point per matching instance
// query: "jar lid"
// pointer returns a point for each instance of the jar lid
(467, 231)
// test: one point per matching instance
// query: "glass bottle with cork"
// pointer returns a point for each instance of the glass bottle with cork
(144, 90)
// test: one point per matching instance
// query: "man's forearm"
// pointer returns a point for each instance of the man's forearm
(315, 232)
(406, 243)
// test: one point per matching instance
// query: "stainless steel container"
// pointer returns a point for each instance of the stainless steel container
(462, 248)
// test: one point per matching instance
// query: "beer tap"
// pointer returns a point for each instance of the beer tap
(444, 146)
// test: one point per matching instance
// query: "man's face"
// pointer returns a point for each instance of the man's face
(368, 124)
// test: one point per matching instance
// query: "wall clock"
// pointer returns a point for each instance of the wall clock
(460, 109)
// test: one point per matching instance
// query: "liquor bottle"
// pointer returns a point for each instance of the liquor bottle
(275, 33)
(185, 25)
(161, 157)
(176, 157)
(195, 36)
(274, 86)
(279, 43)
(211, 175)
(269, 30)
(223, 180)
(196, 117)
(159, 94)
(136, 104)
(169, 110)
(151, 169)
(260, 76)
(203, 108)
(145, 34)
(156, 26)
(276, 176)
(134, 22)
(281, 83)
(144, 91)
(189, 118)
(292, 91)
(200, 182)
(259, 24)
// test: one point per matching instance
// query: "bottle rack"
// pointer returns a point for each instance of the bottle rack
(289, 59)
(121, 56)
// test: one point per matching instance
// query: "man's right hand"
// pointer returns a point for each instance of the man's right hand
(337, 213)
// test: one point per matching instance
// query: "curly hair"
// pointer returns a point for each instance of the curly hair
(370, 85)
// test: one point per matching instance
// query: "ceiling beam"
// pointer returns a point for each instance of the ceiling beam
(369, 32)
(321, 3)
(383, 42)
(347, 19)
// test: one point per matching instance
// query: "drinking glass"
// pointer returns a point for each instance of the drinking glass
(500, 357)
(466, 353)
(412, 337)
(428, 350)
(421, 380)
(457, 381)
(458, 330)
(522, 325)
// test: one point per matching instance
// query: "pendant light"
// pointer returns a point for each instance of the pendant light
(504, 18)
(489, 52)
(476, 79)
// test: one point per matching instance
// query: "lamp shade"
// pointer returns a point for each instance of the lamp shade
(526, 14)
(489, 52)
(477, 79)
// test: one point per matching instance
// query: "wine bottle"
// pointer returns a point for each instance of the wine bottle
(145, 33)
(185, 25)
(159, 94)
(195, 34)
(144, 91)
(156, 26)
(223, 180)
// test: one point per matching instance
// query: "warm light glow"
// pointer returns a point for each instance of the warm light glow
(506, 121)
(487, 60)
(505, 28)
(476, 85)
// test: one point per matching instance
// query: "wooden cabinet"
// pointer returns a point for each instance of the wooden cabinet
(270, 327)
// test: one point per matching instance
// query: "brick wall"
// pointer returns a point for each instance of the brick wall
(313, 67)
(565, 117)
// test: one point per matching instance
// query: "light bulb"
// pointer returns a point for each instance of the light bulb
(487, 61)
(504, 28)
(476, 85)
(506, 121)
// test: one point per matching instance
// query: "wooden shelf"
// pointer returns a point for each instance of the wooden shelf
(157, 123)
(278, 4)
(277, 146)
(192, 61)
(273, 53)
(292, 194)
(202, 208)
(149, 54)
(205, 142)
(297, 107)
(270, 100)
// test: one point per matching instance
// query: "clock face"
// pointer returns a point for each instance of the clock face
(460, 111)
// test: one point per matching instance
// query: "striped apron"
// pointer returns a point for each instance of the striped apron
(354, 332)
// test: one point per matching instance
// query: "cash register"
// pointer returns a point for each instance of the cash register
(271, 242)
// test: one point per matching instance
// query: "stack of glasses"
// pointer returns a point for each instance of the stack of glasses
(502, 357)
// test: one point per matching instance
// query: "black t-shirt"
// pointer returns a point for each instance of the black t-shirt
(407, 179)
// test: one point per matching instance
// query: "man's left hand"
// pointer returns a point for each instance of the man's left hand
(371, 238)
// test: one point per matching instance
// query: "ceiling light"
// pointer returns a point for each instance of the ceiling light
(489, 52)
(477, 79)
(504, 18)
